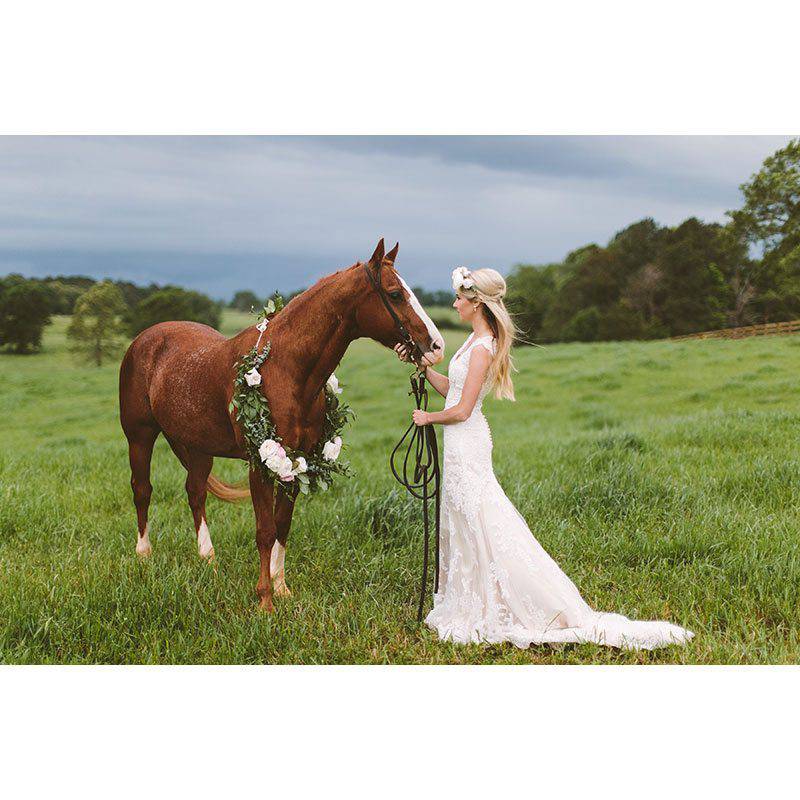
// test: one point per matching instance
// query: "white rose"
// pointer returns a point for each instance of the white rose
(333, 383)
(270, 449)
(467, 283)
(284, 470)
(331, 450)
(253, 377)
(273, 462)
(302, 465)
(459, 276)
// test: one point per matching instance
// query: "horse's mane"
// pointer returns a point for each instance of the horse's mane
(317, 287)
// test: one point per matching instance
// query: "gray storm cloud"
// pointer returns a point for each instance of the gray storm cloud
(221, 213)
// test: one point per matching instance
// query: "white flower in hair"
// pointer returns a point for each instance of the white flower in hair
(462, 279)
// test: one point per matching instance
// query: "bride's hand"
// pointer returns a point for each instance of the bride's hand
(402, 352)
(403, 355)
(420, 417)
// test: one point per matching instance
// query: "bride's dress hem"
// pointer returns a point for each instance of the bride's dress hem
(598, 633)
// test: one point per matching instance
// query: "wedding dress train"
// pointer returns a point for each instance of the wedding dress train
(497, 583)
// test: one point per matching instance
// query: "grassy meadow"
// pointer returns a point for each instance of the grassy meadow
(664, 477)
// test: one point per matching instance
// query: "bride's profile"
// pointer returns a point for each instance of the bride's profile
(497, 583)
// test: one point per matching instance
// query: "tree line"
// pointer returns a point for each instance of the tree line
(653, 281)
(118, 307)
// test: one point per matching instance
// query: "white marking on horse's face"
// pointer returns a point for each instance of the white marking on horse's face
(437, 355)
(204, 546)
(143, 547)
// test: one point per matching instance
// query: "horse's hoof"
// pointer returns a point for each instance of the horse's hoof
(143, 548)
(265, 605)
(208, 555)
(281, 590)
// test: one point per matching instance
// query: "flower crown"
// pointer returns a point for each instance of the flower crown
(462, 279)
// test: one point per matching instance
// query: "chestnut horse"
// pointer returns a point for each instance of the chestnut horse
(177, 379)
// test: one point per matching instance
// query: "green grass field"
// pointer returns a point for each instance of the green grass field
(664, 478)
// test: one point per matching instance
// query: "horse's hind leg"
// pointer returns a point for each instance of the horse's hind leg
(198, 468)
(140, 451)
(284, 507)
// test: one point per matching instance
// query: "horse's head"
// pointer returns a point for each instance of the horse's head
(390, 312)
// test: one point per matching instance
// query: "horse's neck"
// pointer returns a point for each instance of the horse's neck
(312, 333)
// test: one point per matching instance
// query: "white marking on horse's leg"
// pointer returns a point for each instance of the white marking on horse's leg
(143, 547)
(277, 570)
(204, 546)
(436, 337)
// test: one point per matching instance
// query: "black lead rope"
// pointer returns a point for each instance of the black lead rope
(425, 481)
(421, 476)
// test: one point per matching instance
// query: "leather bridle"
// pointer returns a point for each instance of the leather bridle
(420, 473)
(414, 349)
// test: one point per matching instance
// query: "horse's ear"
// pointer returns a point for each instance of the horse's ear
(377, 256)
(392, 254)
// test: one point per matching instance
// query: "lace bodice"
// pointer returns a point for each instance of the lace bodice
(459, 367)
(468, 444)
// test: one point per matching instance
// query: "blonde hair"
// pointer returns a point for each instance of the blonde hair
(489, 287)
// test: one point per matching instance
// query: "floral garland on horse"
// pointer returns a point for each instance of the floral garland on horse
(266, 454)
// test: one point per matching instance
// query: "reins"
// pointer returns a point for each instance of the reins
(420, 472)
(423, 481)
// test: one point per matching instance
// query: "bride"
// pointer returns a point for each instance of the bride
(497, 583)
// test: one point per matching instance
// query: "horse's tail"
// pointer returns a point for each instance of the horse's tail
(230, 493)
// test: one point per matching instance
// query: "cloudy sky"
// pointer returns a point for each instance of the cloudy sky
(225, 213)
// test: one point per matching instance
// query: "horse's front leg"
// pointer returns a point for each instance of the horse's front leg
(262, 494)
(284, 507)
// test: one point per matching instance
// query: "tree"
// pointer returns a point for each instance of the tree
(637, 245)
(96, 330)
(24, 311)
(769, 222)
(245, 300)
(583, 327)
(530, 292)
(63, 296)
(133, 294)
(771, 212)
(694, 294)
(619, 323)
(642, 288)
(173, 303)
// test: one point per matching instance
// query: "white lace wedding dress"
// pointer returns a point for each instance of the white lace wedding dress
(497, 583)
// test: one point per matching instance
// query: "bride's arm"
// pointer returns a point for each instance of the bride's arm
(439, 382)
(480, 360)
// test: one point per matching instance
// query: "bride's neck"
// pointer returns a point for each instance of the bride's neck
(481, 329)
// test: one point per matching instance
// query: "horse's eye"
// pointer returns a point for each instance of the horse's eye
(396, 296)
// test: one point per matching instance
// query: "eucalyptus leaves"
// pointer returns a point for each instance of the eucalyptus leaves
(266, 452)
